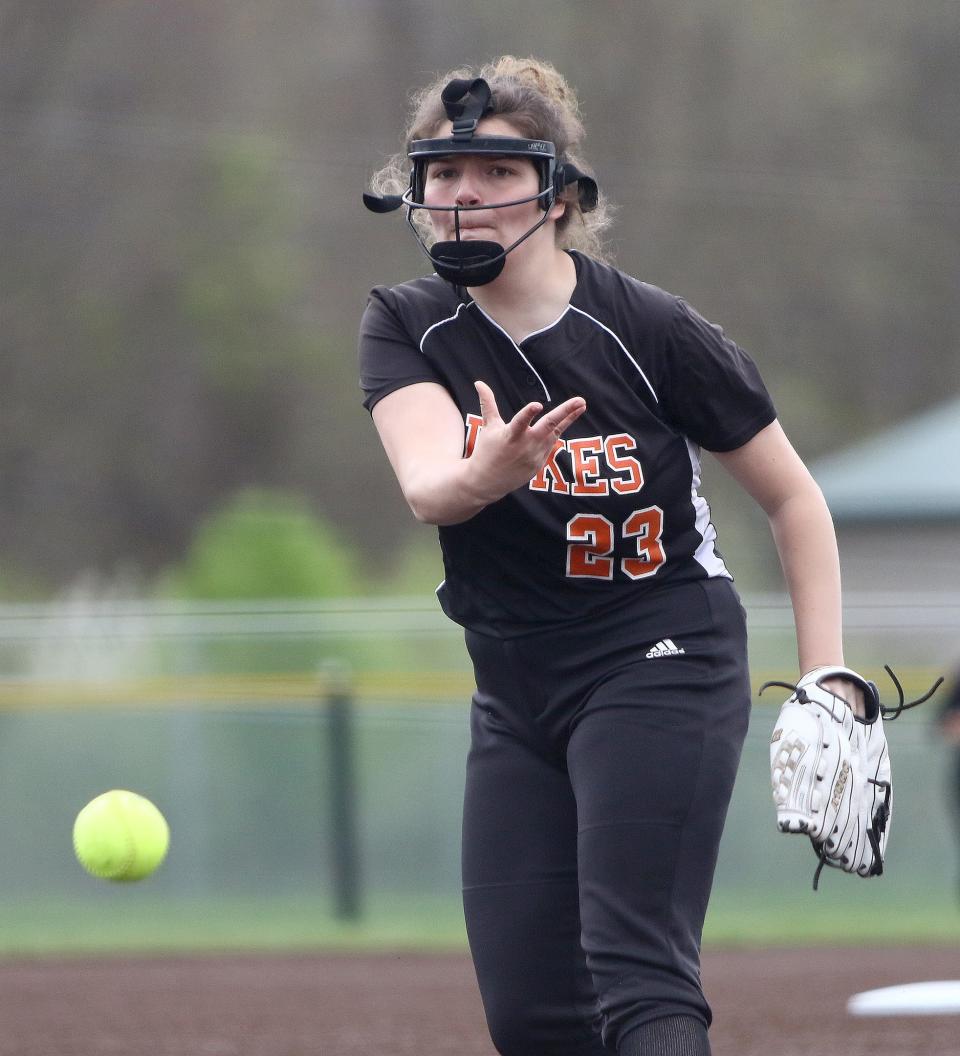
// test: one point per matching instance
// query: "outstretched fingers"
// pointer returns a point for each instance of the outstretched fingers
(553, 423)
(560, 418)
(489, 411)
(524, 418)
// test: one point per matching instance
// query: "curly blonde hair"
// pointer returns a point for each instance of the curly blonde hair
(536, 98)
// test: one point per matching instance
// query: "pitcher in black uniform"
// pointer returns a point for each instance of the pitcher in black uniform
(547, 412)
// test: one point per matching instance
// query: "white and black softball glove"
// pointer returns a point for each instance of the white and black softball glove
(830, 770)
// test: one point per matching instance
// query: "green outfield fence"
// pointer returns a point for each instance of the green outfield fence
(309, 758)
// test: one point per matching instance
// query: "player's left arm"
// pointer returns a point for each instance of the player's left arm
(769, 469)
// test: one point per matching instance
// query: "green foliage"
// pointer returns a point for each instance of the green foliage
(264, 544)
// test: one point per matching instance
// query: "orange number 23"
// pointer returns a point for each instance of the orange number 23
(591, 538)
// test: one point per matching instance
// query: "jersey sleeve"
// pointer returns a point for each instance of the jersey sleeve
(390, 358)
(714, 392)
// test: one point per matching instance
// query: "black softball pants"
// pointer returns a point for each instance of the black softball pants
(598, 782)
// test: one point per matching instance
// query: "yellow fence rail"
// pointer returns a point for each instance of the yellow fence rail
(304, 690)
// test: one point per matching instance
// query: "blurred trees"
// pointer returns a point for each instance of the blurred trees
(265, 545)
(184, 258)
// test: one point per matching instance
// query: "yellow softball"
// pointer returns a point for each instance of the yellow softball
(120, 836)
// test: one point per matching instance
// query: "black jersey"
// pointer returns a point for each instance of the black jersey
(615, 511)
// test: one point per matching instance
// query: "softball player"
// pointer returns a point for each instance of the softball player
(547, 412)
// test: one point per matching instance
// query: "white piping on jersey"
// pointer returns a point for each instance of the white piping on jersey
(519, 350)
(622, 346)
(706, 554)
(544, 329)
(449, 319)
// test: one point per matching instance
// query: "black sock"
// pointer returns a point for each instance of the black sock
(668, 1036)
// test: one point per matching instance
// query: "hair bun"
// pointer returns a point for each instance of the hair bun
(539, 74)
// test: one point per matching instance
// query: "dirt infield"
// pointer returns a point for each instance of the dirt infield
(767, 1003)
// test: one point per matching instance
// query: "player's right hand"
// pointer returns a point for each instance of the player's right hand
(508, 455)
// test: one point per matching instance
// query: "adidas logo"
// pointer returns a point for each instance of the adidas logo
(665, 647)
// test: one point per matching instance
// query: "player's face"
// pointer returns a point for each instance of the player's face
(477, 179)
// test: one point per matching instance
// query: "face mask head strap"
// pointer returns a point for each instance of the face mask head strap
(465, 103)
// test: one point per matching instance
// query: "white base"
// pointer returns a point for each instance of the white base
(910, 999)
